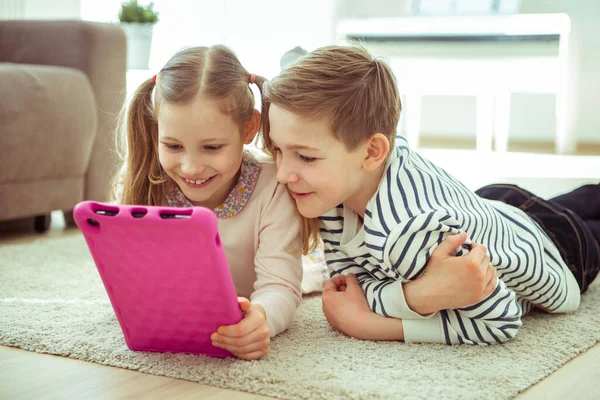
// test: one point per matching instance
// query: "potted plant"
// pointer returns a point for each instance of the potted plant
(138, 22)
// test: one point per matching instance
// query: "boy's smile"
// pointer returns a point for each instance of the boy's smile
(297, 195)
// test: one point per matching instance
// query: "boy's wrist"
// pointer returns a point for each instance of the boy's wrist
(383, 328)
(419, 296)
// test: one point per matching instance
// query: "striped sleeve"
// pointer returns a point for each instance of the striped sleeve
(378, 291)
(379, 288)
(407, 250)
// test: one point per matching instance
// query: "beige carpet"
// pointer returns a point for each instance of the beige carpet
(52, 301)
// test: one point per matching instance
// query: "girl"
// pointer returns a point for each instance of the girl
(186, 129)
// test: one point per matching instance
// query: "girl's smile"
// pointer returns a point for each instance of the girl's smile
(198, 183)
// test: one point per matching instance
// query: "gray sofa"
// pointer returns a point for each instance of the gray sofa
(62, 84)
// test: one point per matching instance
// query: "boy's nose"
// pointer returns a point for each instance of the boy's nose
(284, 174)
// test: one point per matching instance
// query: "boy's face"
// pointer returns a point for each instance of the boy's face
(200, 149)
(317, 168)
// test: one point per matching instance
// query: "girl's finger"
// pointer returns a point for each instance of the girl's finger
(244, 304)
(254, 355)
(257, 340)
(248, 324)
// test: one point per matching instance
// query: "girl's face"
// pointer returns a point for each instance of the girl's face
(200, 149)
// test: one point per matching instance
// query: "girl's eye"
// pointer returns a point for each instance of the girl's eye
(276, 150)
(307, 159)
(213, 147)
(173, 146)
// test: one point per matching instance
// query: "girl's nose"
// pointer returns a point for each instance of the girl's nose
(192, 168)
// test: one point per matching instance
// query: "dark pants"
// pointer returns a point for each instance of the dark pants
(571, 220)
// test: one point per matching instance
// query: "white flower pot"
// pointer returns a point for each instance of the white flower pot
(139, 41)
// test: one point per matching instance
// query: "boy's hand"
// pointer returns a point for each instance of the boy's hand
(249, 339)
(451, 282)
(346, 309)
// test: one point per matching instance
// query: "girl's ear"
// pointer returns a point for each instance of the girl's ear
(252, 127)
(377, 149)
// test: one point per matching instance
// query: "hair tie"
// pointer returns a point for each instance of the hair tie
(154, 79)
(252, 78)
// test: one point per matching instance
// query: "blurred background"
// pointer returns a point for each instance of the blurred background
(492, 89)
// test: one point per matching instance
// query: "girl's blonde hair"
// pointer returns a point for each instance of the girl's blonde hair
(356, 94)
(211, 72)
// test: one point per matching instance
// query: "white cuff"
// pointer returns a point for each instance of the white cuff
(395, 304)
(427, 330)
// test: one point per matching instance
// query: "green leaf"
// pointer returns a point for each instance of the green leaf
(132, 11)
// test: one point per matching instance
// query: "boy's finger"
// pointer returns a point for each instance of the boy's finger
(478, 253)
(449, 245)
(493, 281)
(334, 283)
(351, 279)
(329, 286)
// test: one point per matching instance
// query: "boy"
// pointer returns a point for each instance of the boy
(383, 209)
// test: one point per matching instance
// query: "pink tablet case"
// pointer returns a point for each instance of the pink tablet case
(165, 272)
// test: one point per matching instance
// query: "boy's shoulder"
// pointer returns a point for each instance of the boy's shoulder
(333, 220)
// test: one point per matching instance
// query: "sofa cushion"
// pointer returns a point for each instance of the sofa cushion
(47, 122)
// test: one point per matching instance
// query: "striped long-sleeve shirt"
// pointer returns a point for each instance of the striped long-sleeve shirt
(418, 204)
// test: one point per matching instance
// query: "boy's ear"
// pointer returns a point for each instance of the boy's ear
(252, 127)
(377, 147)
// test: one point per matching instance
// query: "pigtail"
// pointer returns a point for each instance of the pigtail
(141, 174)
(264, 107)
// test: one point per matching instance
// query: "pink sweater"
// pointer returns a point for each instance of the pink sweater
(255, 242)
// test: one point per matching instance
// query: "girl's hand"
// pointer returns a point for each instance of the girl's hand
(451, 282)
(249, 339)
(346, 309)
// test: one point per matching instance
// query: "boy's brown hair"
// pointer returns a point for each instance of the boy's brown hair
(212, 72)
(345, 86)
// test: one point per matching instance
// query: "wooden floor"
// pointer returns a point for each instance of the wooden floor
(28, 375)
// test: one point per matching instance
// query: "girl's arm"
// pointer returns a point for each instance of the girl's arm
(278, 262)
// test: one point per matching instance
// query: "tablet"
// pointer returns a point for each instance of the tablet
(165, 273)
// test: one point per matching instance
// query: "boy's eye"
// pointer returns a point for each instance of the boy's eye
(215, 147)
(307, 159)
(171, 146)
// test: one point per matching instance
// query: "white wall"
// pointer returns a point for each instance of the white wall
(584, 66)
(532, 115)
(55, 9)
(259, 31)
(40, 9)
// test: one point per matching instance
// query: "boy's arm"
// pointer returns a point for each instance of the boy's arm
(339, 263)
(408, 248)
